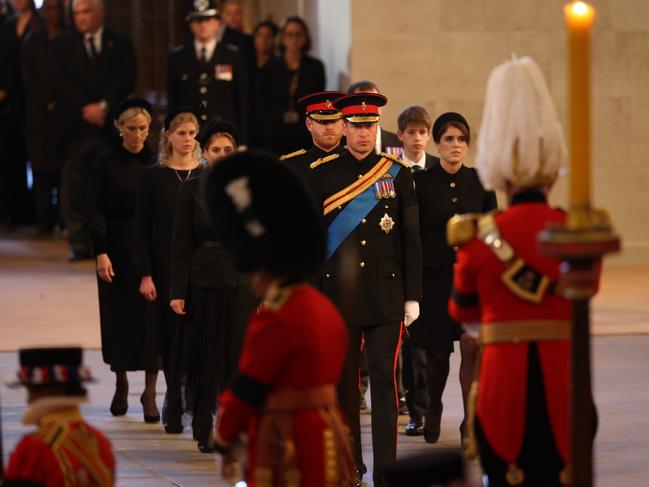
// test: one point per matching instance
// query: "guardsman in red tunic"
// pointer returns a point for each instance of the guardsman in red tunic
(284, 396)
(65, 451)
(521, 414)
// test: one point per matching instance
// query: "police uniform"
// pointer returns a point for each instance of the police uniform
(319, 108)
(284, 394)
(215, 86)
(65, 449)
(521, 420)
(373, 267)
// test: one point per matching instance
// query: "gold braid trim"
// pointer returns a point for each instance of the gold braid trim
(292, 154)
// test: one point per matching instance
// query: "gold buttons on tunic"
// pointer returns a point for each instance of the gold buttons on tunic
(203, 89)
(360, 176)
(362, 264)
(452, 185)
(363, 242)
(203, 117)
(454, 199)
(327, 275)
(363, 220)
(203, 75)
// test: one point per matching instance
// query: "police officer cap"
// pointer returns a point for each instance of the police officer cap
(443, 119)
(265, 217)
(174, 112)
(203, 9)
(217, 125)
(361, 107)
(133, 103)
(320, 106)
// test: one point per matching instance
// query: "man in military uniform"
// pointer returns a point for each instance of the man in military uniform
(373, 268)
(324, 122)
(208, 74)
(64, 450)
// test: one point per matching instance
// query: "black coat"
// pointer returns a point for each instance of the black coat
(280, 136)
(113, 183)
(442, 195)
(197, 258)
(373, 273)
(219, 87)
(245, 44)
(389, 139)
(79, 80)
(40, 113)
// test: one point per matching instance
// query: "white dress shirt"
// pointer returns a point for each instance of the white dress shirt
(96, 38)
(421, 162)
(209, 48)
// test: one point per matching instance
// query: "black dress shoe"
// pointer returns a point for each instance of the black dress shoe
(119, 404)
(415, 428)
(153, 416)
(206, 447)
(79, 255)
(431, 436)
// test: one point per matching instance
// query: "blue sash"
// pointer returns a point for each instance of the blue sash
(350, 217)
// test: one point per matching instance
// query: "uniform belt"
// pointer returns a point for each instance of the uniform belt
(209, 244)
(525, 331)
(290, 400)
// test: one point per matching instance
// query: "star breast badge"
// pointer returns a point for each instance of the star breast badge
(386, 223)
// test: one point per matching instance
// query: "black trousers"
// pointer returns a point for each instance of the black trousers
(381, 345)
(79, 150)
(15, 197)
(415, 380)
(45, 203)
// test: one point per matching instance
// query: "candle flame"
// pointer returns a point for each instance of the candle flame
(580, 8)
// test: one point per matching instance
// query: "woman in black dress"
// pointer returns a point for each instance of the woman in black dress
(113, 182)
(206, 287)
(286, 79)
(263, 37)
(446, 189)
(179, 159)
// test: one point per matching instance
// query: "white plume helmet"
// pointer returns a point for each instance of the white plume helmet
(520, 138)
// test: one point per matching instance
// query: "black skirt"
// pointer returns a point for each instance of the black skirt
(435, 330)
(214, 333)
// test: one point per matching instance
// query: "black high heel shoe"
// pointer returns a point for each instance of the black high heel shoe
(149, 418)
(119, 404)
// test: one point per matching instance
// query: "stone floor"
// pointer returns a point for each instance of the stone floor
(45, 300)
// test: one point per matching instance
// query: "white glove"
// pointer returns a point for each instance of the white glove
(412, 312)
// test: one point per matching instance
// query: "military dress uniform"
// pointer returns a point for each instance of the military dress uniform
(64, 451)
(319, 108)
(215, 86)
(521, 414)
(373, 267)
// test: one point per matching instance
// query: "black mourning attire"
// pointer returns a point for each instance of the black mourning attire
(245, 44)
(389, 139)
(281, 88)
(217, 301)
(81, 78)
(113, 184)
(41, 121)
(219, 86)
(369, 278)
(154, 215)
(15, 197)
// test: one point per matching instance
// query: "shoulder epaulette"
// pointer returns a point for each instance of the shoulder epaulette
(292, 154)
(462, 228)
(232, 47)
(394, 158)
(322, 160)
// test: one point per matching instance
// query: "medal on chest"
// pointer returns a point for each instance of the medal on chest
(386, 223)
(384, 188)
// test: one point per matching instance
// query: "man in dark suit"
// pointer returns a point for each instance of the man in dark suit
(373, 268)
(386, 141)
(94, 70)
(232, 12)
(414, 132)
(209, 74)
(324, 123)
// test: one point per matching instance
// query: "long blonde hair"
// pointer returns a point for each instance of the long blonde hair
(165, 147)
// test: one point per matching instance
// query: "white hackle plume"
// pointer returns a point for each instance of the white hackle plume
(520, 140)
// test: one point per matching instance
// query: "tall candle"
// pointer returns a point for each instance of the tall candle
(579, 20)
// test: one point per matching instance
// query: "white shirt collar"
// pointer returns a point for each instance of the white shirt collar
(421, 162)
(209, 48)
(97, 36)
(378, 147)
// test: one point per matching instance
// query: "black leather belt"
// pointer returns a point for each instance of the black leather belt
(209, 244)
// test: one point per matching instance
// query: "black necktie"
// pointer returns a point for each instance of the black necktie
(415, 168)
(93, 49)
(204, 54)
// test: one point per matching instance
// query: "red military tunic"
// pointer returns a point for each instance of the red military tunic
(65, 451)
(298, 346)
(503, 378)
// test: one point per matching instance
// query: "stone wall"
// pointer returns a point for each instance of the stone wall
(439, 54)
